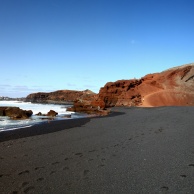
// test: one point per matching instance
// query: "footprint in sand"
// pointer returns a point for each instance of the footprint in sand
(79, 154)
(24, 184)
(1, 175)
(40, 179)
(159, 130)
(54, 163)
(52, 172)
(116, 145)
(25, 187)
(66, 168)
(14, 192)
(39, 167)
(164, 188)
(68, 159)
(86, 172)
(92, 151)
(28, 189)
(24, 172)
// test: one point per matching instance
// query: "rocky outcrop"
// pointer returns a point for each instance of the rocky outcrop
(173, 87)
(15, 113)
(59, 97)
(83, 101)
(121, 93)
(89, 106)
(52, 113)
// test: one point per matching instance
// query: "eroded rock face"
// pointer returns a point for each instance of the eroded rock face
(60, 96)
(15, 113)
(121, 93)
(173, 87)
(89, 106)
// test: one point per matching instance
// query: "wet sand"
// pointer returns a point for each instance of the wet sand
(134, 150)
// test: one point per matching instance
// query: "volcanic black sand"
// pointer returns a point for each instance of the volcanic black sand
(134, 150)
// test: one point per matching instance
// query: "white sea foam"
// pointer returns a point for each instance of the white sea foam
(43, 108)
(7, 124)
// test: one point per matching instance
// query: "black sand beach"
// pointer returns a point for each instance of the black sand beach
(134, 150)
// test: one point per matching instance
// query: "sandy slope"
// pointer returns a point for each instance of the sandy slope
(168, 98)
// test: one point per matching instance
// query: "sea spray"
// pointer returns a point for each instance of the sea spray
(7, 124)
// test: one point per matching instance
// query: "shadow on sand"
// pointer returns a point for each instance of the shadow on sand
(50, 127)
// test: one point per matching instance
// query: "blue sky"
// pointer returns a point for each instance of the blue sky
(48, 45)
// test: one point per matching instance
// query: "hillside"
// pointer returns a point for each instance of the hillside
(173, 87)
(59, 96)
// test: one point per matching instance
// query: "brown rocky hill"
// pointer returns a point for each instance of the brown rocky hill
(173, 87)
(60, 96)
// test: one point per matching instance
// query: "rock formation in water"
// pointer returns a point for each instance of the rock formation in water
(52, 113)
(89, 106)
(173, 87)
(15, 113)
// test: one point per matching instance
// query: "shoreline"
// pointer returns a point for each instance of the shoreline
(10, 124)
(47, 126)
(132, 150)
(41, 128)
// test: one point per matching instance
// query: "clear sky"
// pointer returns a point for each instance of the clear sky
(48, 45)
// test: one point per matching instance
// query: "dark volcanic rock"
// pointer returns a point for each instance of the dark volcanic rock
(89, 106)
(39, 114)
(40, 97)
(2, 111)
(52, 113)
(15, 112)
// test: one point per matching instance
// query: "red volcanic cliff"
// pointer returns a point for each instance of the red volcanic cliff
(173, 87)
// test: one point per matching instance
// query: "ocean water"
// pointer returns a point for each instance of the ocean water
(7, 124)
